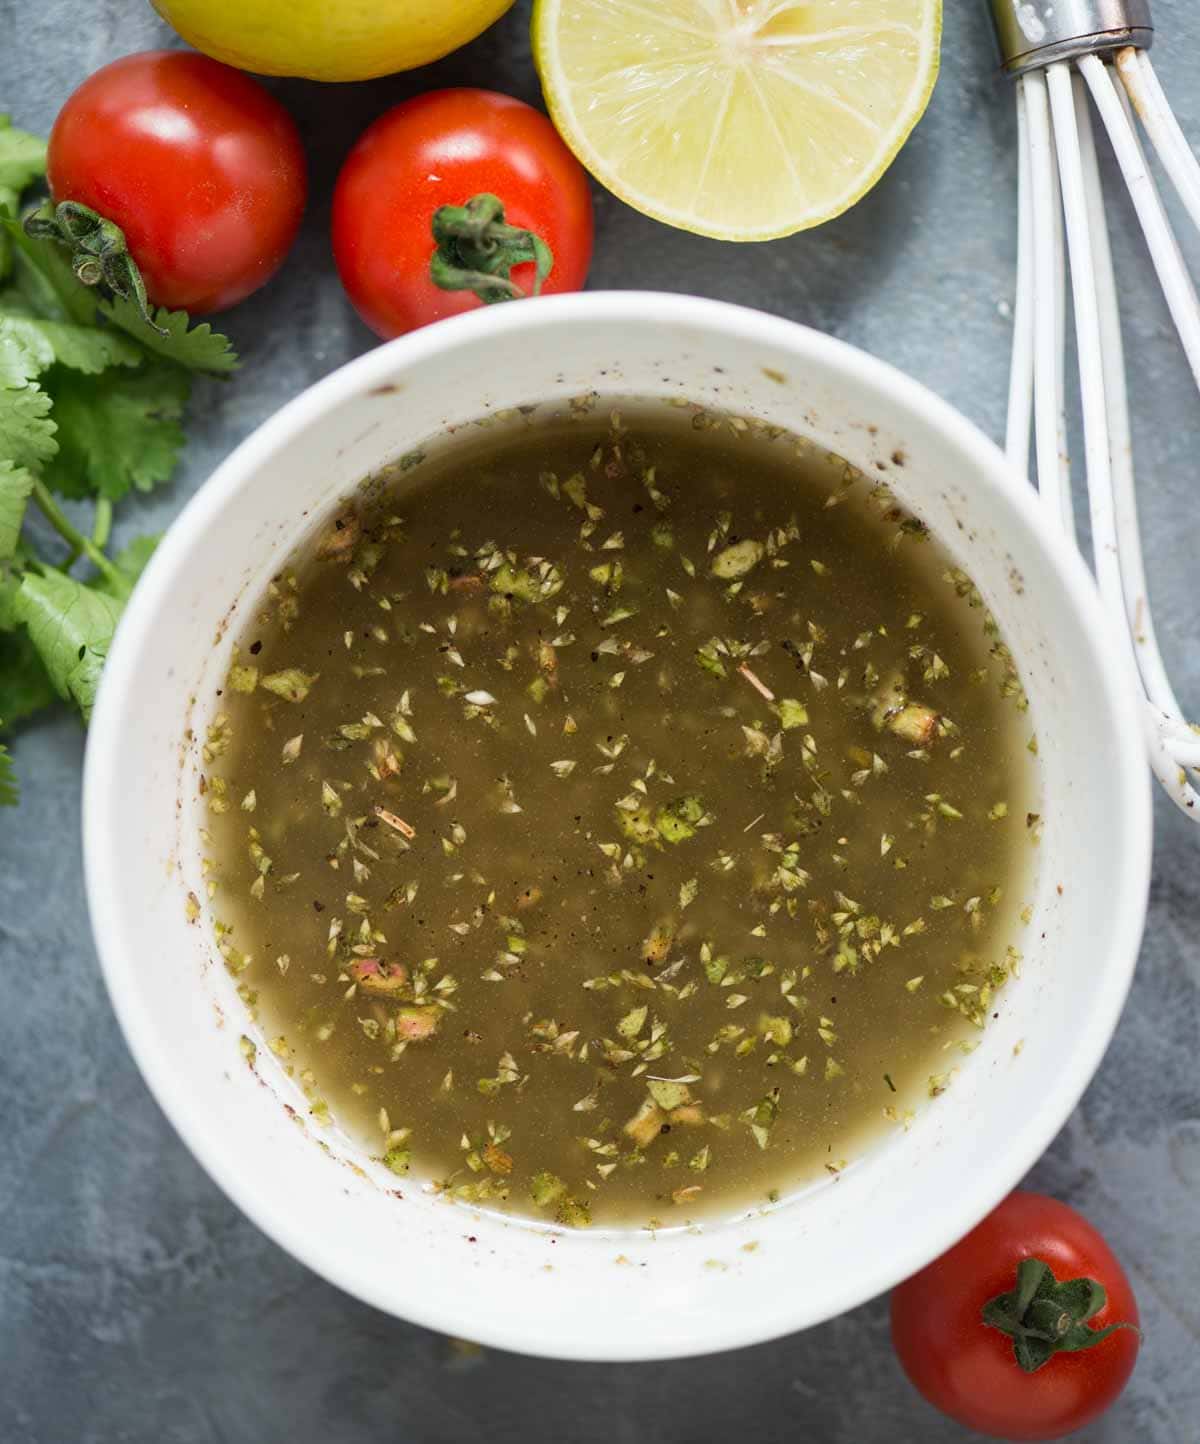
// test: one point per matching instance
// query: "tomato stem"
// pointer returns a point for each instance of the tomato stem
(1044, 1317)
(476, 251)
(98, 251)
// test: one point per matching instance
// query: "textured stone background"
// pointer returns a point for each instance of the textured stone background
(135, 1303)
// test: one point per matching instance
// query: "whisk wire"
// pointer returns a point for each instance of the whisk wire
(1048, 310)
(1171, 745)
(1160, 238)
(1166, 134)
(1087, 328)
(1116, 398)
(1058, 52)
(1020, 391)
(1060, 171)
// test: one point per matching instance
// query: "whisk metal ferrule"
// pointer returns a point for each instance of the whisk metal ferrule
(1035, 33)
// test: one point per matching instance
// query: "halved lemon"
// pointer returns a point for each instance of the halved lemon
(739, 119)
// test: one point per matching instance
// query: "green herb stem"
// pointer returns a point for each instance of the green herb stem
(102, 526)
(77, 541)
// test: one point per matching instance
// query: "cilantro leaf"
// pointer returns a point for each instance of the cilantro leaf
(8, 779)
(26, 430)
(71, 626)
(15, 486)
(22, 161)
(9, 201)
(198, 349)
(117, 429)
(132, 559)
(22, 156)
(9, 585)
(18, 364)
(82, 348)
(24, 686)
(45, 278)
(131, 563)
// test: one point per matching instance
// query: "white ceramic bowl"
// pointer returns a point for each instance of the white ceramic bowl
(599, 1294)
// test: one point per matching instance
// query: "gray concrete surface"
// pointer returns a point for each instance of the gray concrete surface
(135, 1303)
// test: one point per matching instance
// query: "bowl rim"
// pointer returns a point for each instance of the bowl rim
(1128, 781)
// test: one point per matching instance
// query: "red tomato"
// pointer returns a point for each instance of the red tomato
(968, 1369)
(198, 165)
(442, 149)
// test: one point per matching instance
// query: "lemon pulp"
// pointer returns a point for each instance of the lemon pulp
(739, 119)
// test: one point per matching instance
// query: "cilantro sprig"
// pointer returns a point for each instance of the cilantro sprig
(8, 779)
(93, 390)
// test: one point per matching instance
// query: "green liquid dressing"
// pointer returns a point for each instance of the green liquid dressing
(621, 819)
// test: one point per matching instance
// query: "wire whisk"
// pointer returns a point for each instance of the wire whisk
(1068, 56)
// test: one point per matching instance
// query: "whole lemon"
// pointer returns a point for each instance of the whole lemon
(329, 39)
